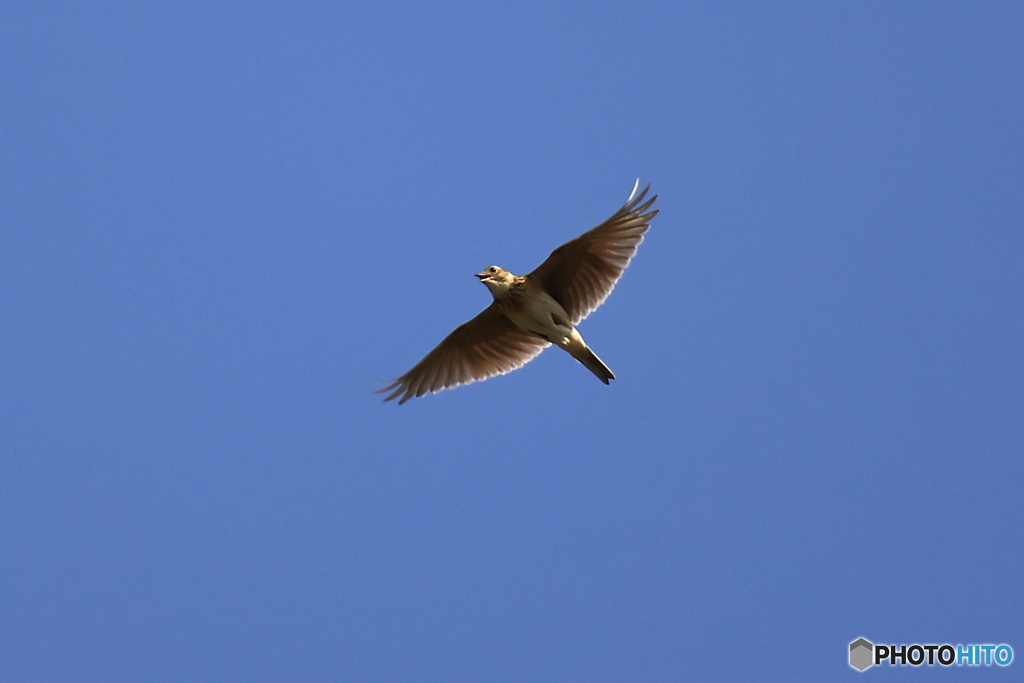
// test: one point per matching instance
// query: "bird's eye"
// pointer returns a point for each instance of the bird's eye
(492, 269)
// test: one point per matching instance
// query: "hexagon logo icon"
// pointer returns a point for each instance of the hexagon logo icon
(861, 654)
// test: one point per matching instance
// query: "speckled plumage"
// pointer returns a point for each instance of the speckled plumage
(533, 310)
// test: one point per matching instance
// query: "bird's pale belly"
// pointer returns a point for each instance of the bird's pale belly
(543, 316)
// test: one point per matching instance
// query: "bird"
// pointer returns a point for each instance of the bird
(532, 311)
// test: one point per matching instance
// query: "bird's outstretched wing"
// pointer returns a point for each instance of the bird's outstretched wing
(581, 273)
(489, 344)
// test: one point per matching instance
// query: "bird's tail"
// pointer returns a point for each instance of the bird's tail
(593, 363)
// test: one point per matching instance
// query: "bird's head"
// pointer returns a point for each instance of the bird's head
(498, 280)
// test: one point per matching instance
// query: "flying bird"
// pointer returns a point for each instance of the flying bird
(531, 311)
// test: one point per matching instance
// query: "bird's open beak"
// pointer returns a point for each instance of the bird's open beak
(480, 275)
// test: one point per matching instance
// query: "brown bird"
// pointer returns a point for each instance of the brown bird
(534, 310)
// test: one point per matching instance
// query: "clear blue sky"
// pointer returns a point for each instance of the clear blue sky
(221, 227)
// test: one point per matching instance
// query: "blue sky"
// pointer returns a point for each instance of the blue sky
(223, 226)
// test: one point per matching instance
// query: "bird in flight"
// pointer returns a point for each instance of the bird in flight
(531, 311)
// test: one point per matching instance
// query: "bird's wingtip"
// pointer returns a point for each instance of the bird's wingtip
(390, 387)
(637, 195)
